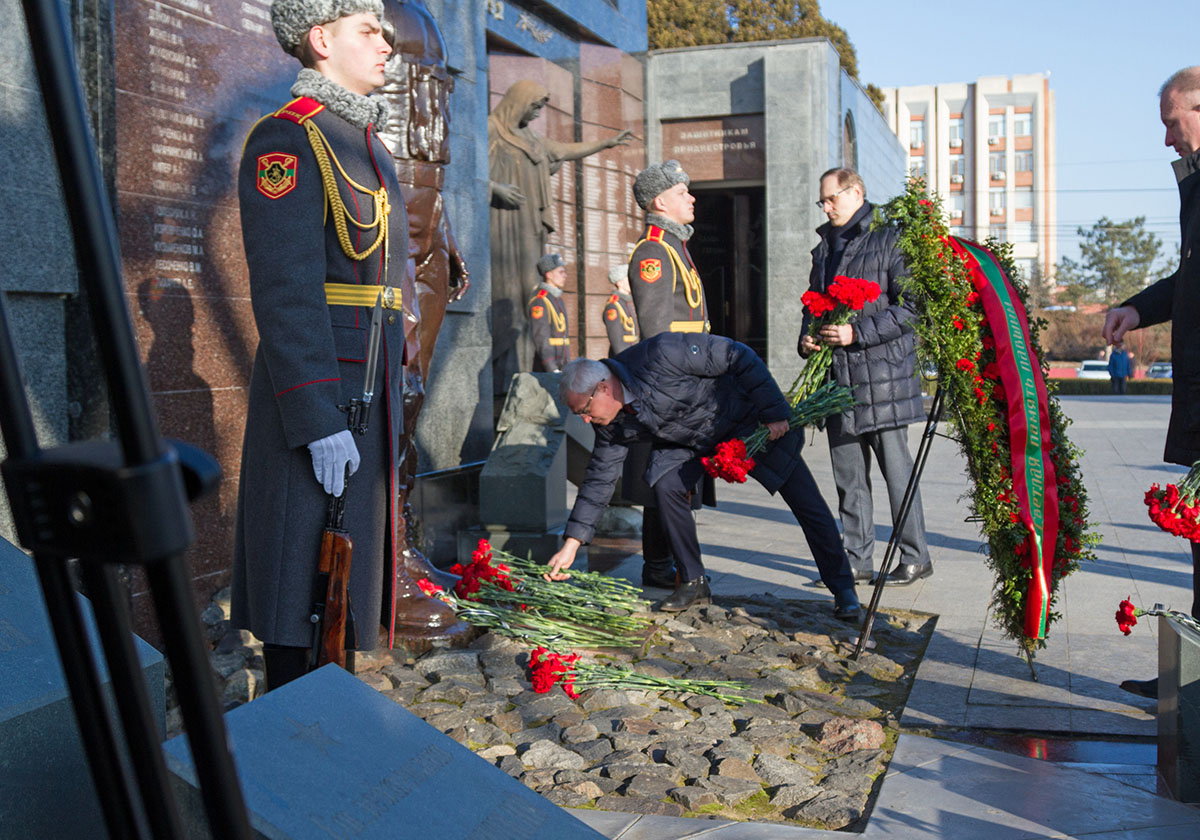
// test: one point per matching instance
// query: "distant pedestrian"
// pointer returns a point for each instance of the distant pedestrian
(1118, 369)
(1176, 298)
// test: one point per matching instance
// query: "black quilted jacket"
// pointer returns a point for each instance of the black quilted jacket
(881, 363)
(691, 391)
(1177, 298)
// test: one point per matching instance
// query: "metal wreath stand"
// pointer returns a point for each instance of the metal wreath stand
(113, 502)
(914, 480)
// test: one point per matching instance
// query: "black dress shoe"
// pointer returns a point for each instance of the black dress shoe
(906, 573)
(846, 607)
(864, 576)
(1142, 688)
(686, 594)
(663, 579)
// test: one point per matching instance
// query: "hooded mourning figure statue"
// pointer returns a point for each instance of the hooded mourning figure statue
(521, 162)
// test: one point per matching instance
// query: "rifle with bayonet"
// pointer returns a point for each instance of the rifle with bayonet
(332, 614)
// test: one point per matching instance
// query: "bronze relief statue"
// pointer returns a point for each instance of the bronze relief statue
(520, 163)
(418, 87)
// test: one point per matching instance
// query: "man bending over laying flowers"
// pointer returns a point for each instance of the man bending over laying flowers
(686, 393)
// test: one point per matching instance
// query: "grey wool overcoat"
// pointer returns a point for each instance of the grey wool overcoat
(310, 360)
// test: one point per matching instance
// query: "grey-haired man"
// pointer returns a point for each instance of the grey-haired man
(1176, 298)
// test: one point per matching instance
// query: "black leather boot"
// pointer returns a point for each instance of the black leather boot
(686, 594)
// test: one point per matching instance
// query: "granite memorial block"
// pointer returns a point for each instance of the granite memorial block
(1179, 709)
(46, 789)
(523, 486)
(326, 756)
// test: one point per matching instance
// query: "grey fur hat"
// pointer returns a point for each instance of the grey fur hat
(548, 263)
(293, 18)
(656, 178)
(617, 273)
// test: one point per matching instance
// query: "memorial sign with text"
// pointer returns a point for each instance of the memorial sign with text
(719, 149)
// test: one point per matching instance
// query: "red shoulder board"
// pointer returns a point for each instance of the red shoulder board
(541, 293)
(655, 233)
(612, 299)
(300, 110)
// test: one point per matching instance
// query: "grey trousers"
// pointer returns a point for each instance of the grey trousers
(851, 457)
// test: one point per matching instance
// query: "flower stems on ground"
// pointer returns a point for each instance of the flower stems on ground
(547, 668)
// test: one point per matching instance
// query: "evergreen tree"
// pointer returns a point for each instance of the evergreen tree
(1117, 260)
(691, 23)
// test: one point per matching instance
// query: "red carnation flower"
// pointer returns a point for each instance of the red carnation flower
(817, 304)
(1126, 617)
(729, 462)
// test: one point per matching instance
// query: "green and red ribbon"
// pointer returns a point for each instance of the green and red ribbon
(1034, 484)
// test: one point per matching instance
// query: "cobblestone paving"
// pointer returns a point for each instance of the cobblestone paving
(810, 754)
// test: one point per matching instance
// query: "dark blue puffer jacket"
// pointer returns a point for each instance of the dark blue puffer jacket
(691, 391)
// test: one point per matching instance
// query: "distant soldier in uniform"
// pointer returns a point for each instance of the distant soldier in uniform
(548, 317)
(619, 320)
(325, 231)
(666, 287)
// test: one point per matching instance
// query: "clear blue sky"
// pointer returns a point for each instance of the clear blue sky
(1106, 61)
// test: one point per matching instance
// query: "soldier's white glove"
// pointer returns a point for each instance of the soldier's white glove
(331, 457)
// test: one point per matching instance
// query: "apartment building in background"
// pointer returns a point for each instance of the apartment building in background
(988, 147)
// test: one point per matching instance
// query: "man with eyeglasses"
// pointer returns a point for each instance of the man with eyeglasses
(875, 355)
(685, 394)
(1176, 298)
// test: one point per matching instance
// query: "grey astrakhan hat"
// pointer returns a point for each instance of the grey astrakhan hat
(548, 263)
(617, 273)
(293, 18)
(656, 178)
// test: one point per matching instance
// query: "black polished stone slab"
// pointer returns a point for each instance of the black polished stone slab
(328, 756)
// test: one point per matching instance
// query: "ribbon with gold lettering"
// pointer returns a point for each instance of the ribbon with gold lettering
(1034, 484)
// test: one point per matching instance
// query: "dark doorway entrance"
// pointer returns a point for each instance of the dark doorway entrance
(731, 254)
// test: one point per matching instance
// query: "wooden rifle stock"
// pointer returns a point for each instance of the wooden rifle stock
(337, 550)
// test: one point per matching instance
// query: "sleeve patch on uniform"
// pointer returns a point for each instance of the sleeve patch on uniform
(650, 270)
(611, 314)
(537, 312)
(276, 174)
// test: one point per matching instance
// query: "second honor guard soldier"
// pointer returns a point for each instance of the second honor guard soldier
(618, 313)
(325, 231)
(548, 317)
(666, 287)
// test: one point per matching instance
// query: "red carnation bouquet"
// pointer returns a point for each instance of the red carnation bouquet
(730, 462)
(480, 569)
(547, 669)
(1176, 508)
(837, 305)
(733, 459)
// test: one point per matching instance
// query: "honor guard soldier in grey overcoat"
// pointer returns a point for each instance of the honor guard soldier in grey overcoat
(548, 317)
(325, 233)
(666, 287)
(618, 314)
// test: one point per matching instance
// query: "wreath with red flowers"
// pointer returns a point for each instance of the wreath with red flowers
(955, 340)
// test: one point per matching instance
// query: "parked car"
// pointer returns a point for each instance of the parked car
(1092, 369)
(1160, 370)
